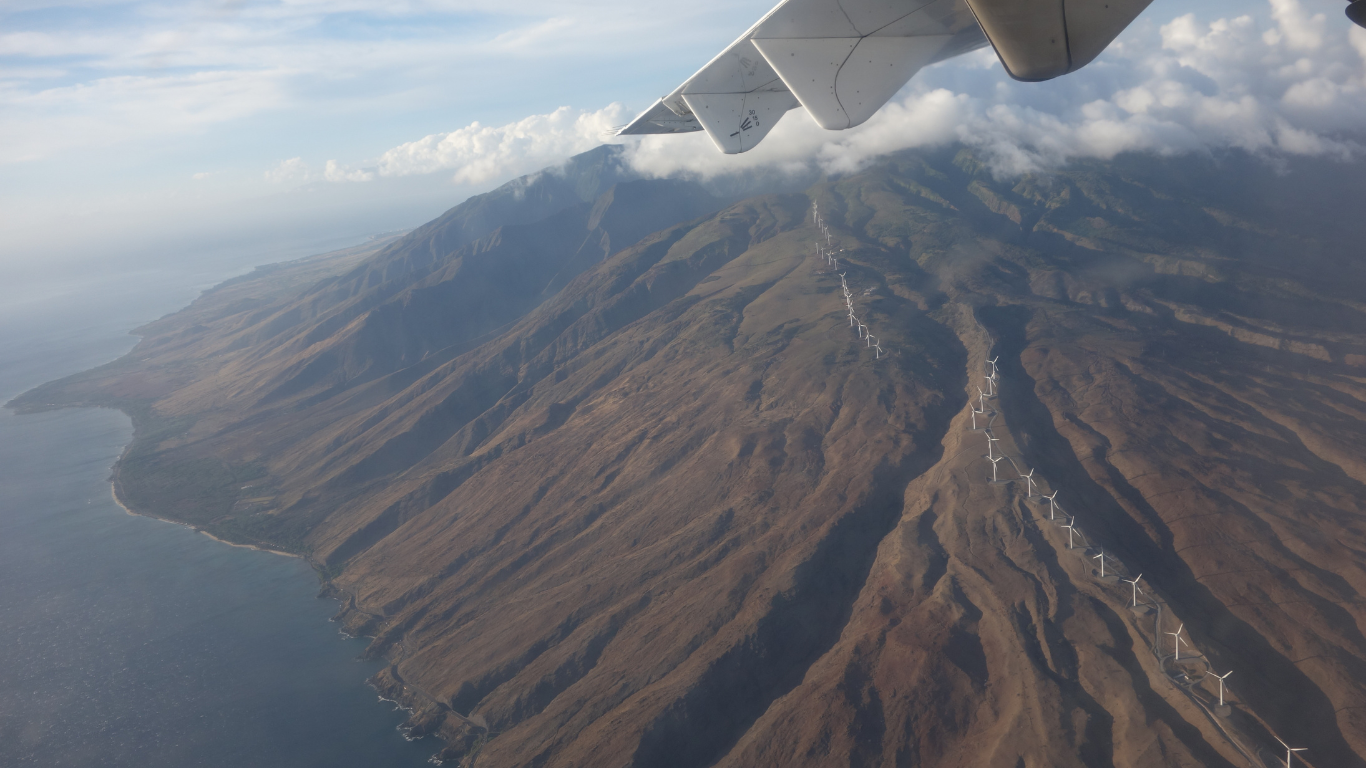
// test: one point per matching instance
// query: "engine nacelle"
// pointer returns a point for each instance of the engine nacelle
(1356, 11)
(1041, 39)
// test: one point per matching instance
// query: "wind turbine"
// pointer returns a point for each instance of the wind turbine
(1221, 679)
(869, 337)
(1070, 529)
(1029, 478)
(993, 467)
(1177, 641)
(993, 364)
(861, 329)
(974, 412)
(991, 390)
(982, 398)
(878, 348)
(1134, 581)
(1051, 504)
(1101, 557)
(1289, 750)
(991, 440)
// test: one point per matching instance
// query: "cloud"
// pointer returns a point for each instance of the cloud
(126, 108)
(291, 171)
(148, 71)
(478, 153)
(1284, 82)
(797, 142)
(1289, 83)
(295, 171)
(335, 172)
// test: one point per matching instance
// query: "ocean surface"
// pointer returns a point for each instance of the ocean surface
(126, 641)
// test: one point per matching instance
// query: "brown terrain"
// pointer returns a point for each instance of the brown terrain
(603, 470)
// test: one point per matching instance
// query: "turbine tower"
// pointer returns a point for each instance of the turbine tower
(994, 462)
(1029, 478)
(1070, 528)
(877, 351)
(1221, 679)
(1101, 558)
(974, 413)
(991, 440)
(1052, 505)
(1135, 581)
(1177, 641)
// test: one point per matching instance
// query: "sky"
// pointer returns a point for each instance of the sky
(131, 131)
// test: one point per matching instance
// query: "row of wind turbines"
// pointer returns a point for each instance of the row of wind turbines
(979, 409)
(827, 252)
(1056, 514)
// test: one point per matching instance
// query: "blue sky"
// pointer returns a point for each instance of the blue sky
(129, 126)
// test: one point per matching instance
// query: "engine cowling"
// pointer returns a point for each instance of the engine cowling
(1356, 11)
(1042, 39)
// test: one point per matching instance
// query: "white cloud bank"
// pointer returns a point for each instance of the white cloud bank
(479, 153)
(1281, 82)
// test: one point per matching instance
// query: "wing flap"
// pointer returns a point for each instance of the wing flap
(840, 59)
(737, 122)
(660, 119)
(843, 59)
(808, 67)
(843, 81)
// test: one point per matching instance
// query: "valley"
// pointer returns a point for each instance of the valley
(597, 460)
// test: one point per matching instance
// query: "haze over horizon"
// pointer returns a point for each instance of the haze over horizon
(144, 131)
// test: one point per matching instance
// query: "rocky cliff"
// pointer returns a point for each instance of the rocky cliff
(607, 475)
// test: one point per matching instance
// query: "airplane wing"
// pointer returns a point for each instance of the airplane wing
(842, 60)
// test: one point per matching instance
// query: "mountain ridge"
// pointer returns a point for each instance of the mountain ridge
(669, 511)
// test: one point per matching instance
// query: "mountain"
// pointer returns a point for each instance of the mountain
(611, 481)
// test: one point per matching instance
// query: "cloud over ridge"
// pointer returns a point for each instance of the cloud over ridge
(479, 153)
(1280, 81)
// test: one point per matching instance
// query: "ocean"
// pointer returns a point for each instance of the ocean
(129, 641)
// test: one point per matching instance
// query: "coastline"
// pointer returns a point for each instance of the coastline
(114, 492)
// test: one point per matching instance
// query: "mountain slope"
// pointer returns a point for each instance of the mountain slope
(623, 482)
